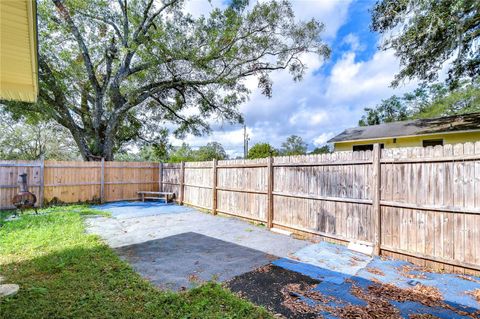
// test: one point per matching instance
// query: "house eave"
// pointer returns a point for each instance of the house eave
(401, 136)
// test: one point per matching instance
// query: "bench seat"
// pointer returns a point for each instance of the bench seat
(160, 195)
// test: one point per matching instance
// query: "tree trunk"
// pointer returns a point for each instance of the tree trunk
(103, 146)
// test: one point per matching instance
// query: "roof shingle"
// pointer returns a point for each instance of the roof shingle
(464, 122)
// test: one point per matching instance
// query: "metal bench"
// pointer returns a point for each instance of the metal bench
(159, 195)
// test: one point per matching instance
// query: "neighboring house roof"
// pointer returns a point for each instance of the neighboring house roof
(18, 50)
(456, 123)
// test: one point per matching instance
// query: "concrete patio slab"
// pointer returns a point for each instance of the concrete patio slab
(174, 246)
(185, 260)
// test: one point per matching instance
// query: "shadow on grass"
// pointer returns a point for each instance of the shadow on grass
(65, 273)
(95, 283)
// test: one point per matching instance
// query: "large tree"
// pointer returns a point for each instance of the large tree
(213, 150)
(262, 150)
(325, 149)
(425, 34)
(293, 145)
(389, 110)
(32, 140)
(110, 69)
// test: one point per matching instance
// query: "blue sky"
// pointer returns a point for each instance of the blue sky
(333, 93)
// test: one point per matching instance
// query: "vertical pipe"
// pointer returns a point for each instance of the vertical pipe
(376, 197)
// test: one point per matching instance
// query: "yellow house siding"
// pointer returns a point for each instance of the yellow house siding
(18, 50)
(413, 141)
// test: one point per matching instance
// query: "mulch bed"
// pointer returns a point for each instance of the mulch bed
(266, 286)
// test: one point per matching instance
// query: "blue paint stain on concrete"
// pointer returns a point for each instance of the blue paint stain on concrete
(142, 209)
(323, 274)
(338, 268)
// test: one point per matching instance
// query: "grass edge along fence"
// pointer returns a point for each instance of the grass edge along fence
(418, 204)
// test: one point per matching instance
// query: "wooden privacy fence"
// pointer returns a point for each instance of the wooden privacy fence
(70, 182)
(420, 204)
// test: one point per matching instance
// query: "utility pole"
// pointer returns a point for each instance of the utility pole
(245, 141)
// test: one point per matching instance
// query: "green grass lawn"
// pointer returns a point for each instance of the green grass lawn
(65, 273)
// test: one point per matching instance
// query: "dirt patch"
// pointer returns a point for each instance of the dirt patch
(271, 287)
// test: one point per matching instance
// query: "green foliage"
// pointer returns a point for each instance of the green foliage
(426, 101)
(325, 149)
(262, 150)
(425, 34)
(64, 272)
(112, 72)
(172, 154)
(465, 99)
(389, 110)
(31, 140)
(212, 150)
(294, 145)
(183, 153)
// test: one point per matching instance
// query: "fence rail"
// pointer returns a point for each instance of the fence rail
(70, 182)
(421, 204)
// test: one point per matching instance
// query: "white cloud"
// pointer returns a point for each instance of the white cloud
(198, 8)
(363, 81)
(321, 105)
(323, 138)
(332, 13)
(354, 42)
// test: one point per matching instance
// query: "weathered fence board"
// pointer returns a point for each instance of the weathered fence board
(9, 176)
(420, 203)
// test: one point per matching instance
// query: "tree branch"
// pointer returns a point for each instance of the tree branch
(81, 43)
(164, 105)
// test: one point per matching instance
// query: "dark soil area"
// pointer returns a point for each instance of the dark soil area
(264, 286)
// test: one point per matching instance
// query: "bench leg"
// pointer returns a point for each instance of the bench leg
(143, 197)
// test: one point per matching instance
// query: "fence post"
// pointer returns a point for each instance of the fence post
(102, 181)
(376, 193)
(270, 192)
(41, 194)
(214, 186)
(160, 177)
(182, 182)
